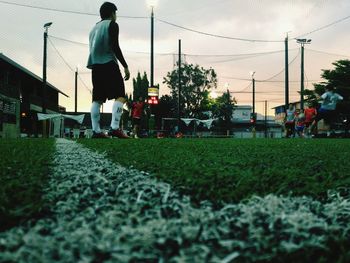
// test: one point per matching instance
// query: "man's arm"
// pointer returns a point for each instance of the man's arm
(114, 36)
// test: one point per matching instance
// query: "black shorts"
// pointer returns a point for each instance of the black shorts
(328, 116)
(136, 121)
(289, 125)
(107, 82)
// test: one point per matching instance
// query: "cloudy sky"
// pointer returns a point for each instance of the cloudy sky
(326, 22)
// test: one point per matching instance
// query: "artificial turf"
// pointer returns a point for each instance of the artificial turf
(24, 168)
(232, 170)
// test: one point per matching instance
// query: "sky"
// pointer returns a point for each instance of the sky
(267, 22)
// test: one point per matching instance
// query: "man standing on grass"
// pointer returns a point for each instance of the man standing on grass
(107, 80)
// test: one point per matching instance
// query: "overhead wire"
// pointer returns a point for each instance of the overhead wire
(64, 11)
(215, 35)
(327, 53)
(324, 27)
(67, 64)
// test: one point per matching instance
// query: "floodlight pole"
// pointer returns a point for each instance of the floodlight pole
(179, 95)
(286, 78)
(152, 47)
(76, 91)
(46, 26)
(302, 43)
(44, 106)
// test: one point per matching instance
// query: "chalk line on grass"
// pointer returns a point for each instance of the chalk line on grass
(104, 212)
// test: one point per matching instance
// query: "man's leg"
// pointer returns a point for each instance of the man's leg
(117, 111)
(95, 116)
(95, 121)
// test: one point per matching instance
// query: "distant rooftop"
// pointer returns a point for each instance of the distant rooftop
(26, 71)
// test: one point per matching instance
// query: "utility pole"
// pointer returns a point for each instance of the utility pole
(46, 27)
(179, 95)
(76, 91)
(286, 101)
(253, 100)
(253, 95)
(152, 48)
(44, 106)
(265, 118)
(302, 43)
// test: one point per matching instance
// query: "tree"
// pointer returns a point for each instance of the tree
(196, 83)
(140, 85)
(223, 108)
(167, 108)
(339, 77)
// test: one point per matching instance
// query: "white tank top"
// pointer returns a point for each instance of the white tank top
(100, 45)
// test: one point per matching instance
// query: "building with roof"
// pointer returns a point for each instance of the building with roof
(21, 98)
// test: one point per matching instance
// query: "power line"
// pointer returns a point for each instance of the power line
(266, 80)
(269, 81)
(324, 27)
(327, 53)
(59, 54)
(64, 11)
(172, 24)
(67, 64)
(242, 55)
(82, 81)
(234, 55)
(218, 36)
(86, 44)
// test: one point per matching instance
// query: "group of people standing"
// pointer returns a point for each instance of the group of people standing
(304, 122)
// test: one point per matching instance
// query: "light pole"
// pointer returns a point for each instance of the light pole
(179, 95)
(253, 82)
(76, 90)
(152, 47)
(286, 76)
(152, 4)
(302, 43)
(46, 27)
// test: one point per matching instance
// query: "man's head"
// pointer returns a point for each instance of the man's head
(107, 11)
(329, 87)
(140, 99)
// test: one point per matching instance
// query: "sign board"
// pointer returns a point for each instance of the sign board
(153, 91)
(8, 107)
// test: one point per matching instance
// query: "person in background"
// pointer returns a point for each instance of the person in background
(299, 123)
(327, 111)
(289, 122)
(310, 114)
(138, 109)
(107, 80)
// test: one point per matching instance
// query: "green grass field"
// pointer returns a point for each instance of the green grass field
(233, 169)
(24, 166)
(229, 170)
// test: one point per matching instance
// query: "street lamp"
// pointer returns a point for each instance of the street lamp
(152, 4)
(46, 27)
(76, 89)
(302, 42)
(252, 73)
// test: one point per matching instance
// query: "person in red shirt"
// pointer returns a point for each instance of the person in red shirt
(137, 111)
(310, 114)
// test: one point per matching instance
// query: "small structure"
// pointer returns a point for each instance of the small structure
(57, 120)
